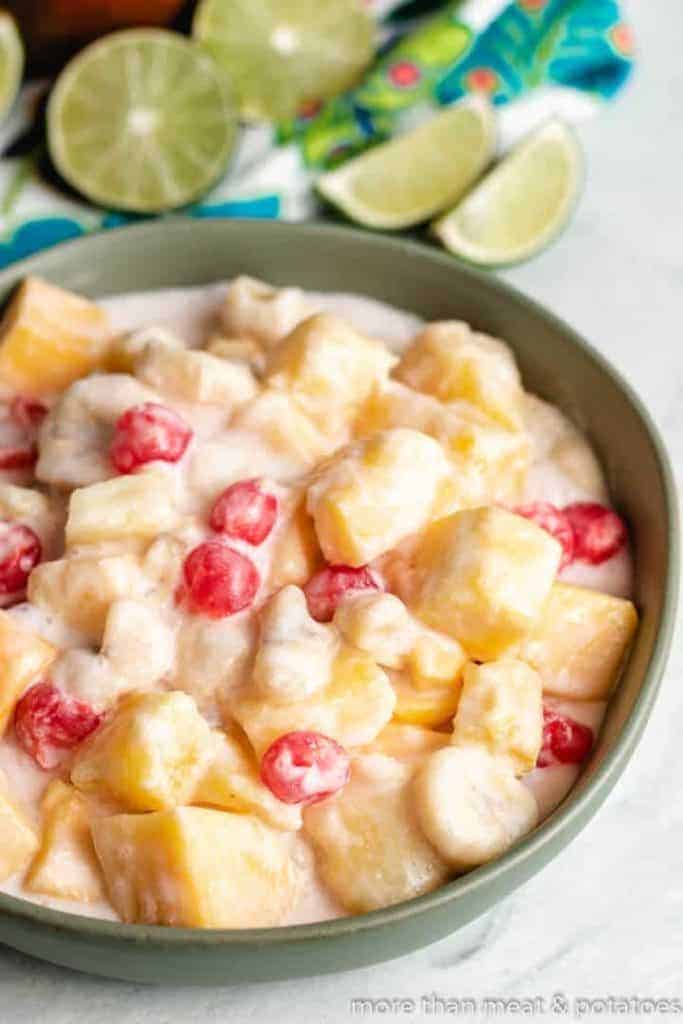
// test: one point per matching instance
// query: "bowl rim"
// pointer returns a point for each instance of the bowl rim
(582, 806)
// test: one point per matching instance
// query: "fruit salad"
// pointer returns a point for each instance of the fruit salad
(307, 606)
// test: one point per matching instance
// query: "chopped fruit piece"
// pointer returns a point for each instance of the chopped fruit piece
(148, 433)
(26, 505)
(18, 457)
(427, 707)
(565, 741)
(435, 659)
(307, 364)
(196, 868)
(484, 576)
(149, 755)
(192, 376)
(65, 866)
(375, 492)
(218, 580)
(24, 657)
(213, 658)
(19, 841)
(377, 623)
(245, 511)
(20, 551)
(327, 588)
(231, 783)
(500, 710)
(471, 806)
(124, 350)
(305, 767)
(81, 589)
(599, 533)
(49, 723)
(352, 709)
(407, 743)
(579, 642)
(138, 505)
(240, 350)
(370, 850)
(296, 553)
(452, 362)
(49, 337)
(254, 309)
(554, 521)
(276, 417)
(28, 413)
(295, 655)
(137, 643)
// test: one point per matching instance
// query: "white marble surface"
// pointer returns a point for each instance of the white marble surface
(605, 917)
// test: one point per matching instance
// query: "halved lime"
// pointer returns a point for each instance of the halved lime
(282, 54)
(409, 179)
(141, 120)
(522, 204)
(11, 62)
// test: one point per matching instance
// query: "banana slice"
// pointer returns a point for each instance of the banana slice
(471, 806)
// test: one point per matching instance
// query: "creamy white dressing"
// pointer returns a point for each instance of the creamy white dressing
(564, 469)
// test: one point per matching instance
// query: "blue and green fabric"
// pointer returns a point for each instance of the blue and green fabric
(533, 58)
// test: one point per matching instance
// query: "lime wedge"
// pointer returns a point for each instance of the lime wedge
(282, 54)
(11, 62)
(521, 205)
(141, 120)
(409, 179)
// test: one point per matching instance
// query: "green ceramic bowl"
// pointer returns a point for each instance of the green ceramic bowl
(558, 365)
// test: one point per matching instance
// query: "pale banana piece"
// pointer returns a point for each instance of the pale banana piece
(379, 624)
(191, 375)
(89, 677)
(138, 643)
(471, 806)
(213, 658)
(254, 309)
(126, 348)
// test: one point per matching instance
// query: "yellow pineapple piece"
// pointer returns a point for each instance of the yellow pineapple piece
(81, 588)
(452, 362)
(231, 783)
(254, 309)
(194, 376)
(370, 850)
(375, 492)
(417, 705)
(148, 755)
(124, 350)
(407, 743)
(379, 624)
(65, 866)
(19, 841)
(501, 710)
(24, 658)
(196, 868)
(328, 366)
(484, 577)
(435, 659)
(137, 505)
(278, 420)
(296, 554)
(579, 642)
(352, 709)
(49, 337)
(490, 461)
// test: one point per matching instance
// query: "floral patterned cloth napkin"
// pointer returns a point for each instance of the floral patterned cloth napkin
(533, 58)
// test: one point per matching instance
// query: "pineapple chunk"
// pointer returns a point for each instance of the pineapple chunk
(138, 644)
(379, 624)
(407, 743)
(149, 755)
(490, 462)
(80, 589)
(254, 309)
(435, 660)
(352, 710)
(417, 705)
(19, 841)
(49, 337)
(213, 657)
(24, 658)
(375, 492)
(501, 709)
(579, 643)
(277, 419)
(231, 783)
(126, 348)
(484, 577)
(139, 505)
(196, 868)
(329, 367)
(295, 655)
(451, 362)
(370, 850)
(296, 553)
(194, 376)
(65, 866)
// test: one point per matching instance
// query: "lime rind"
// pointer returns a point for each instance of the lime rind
(11, 62)
(411, 178)
(141, 120)
(522, 205)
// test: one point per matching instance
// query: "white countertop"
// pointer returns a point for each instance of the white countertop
(605, 918)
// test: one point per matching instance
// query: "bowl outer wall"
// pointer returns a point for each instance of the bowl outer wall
(557, 364)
